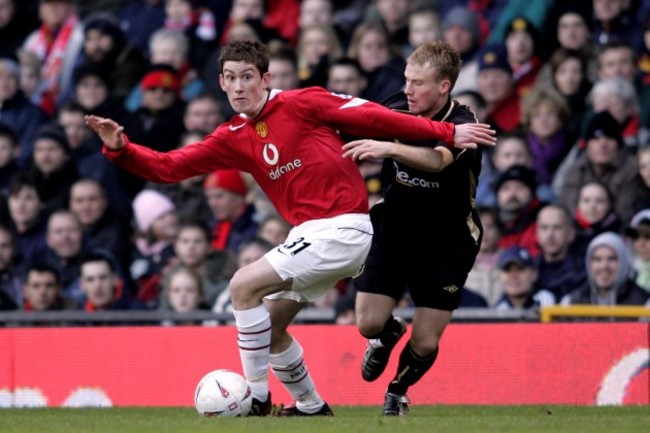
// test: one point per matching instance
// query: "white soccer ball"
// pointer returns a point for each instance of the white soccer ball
(223, 393)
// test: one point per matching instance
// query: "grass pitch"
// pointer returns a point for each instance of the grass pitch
(443, 419)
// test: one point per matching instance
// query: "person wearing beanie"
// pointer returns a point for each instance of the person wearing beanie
(638, 232)
(290, 142)
(497, 86)
(156, 227)
(610, 276)
(53, 166)
(518, 205)
(460, 29)
(522, 44)
(606, 160)
(234, 219)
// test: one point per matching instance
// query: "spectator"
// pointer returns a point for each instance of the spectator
(11, 275)
(233, 219)
(274, 229)
(8, 150)
(31, 83)
(214, 267)
(27, 219)
(522, 45)
(198, 24)
(518, 206)
(101, 226)
(345, 76)
(57, 44)
(610, 276)
(170, 47)
(183, 293)
(639, 232)
(560, 266)
(318, 46)
(393, 16)
(65, 246)
(475, 102)
(594, 214)
(460, 29)
(42, 291)
(87, 157)
(101, 285)
(544, 115)
(511, 149)
(613, 22)
(203, 113)
(53, 168)
(605, 159)
(283, 67)
(424, 25)
(106, 48)
(379, 59)
(18, 112)
(483, 278)
(156, 229)
(517, 275)
(497, 86)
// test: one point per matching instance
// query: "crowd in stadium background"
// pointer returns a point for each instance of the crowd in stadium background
(565, 83)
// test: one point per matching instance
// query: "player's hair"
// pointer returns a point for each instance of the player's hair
(439, 55)
(252, 52)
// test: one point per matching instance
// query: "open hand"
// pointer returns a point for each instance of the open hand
(108, 130)
(470, 135)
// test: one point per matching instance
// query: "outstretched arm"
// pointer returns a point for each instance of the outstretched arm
(108, 130)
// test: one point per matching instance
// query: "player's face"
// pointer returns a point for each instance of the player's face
(604, 267)
(425, 93)
(245, 87)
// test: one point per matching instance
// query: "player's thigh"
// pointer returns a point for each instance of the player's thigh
(255, 280)
(427, 328)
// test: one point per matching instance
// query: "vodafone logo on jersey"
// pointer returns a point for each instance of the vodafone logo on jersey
(271, 156)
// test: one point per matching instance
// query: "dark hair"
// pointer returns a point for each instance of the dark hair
(195, 224)
(252, 52)
(347, 61)
(98, 256)
(42, 267)
(21, 180)
(282, 51)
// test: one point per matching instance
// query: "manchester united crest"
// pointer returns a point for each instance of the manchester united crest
(261, 129)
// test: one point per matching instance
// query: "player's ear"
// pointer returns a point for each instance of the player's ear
(266, 81)
(221, 82)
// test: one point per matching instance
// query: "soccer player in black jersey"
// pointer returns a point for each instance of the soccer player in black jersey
(427, 231)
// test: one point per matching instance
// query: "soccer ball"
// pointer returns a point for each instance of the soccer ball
(223, 393)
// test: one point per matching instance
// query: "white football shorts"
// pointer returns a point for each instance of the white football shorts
(319, 253)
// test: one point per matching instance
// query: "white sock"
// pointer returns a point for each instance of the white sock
(290, 369)
(254, 340)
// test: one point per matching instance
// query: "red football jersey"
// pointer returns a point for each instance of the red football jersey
(292, 149)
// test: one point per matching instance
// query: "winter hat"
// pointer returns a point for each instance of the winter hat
(602, 124)
(148, 206)
(161, 76)
(517, 255)
(106, 24)
(55, 132)
(641, 220)
(462, 17)
(90, 70)
(522, 24)
(494, 56)
(518, 172)
(232, 180)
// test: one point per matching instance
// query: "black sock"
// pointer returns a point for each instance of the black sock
(410, 369)
(391, 332)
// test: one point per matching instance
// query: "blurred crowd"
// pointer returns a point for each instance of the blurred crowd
(564, 196)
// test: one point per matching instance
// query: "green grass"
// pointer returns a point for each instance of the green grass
(442, 419)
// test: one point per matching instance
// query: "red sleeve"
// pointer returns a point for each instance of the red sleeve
(363, 118)
(167, 167)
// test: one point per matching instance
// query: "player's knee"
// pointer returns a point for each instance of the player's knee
(369, 325)
(423, 347)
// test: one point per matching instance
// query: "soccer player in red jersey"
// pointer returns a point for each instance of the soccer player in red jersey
(289, 142)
